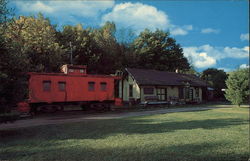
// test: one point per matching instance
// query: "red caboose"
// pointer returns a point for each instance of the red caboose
(50, 91)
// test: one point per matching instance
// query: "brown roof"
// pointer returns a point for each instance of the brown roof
(155, 77)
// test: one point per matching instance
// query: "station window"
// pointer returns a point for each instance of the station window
(187, 92)
(197, 92)
(161, 93)
(181, 92)
(148, 90)
(61, 86)
(91, 86)
(46, 86)
(103, 86)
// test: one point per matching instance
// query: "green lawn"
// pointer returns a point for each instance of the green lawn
(220, 134)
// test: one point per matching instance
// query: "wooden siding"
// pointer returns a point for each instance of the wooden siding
(138, 91)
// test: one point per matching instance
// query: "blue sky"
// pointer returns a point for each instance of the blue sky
(212, 33)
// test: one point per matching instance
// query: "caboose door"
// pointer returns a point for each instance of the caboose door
(63, 91)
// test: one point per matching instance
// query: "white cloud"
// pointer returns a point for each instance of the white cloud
(236, 52)
(209, 31)
(137, 16)
(204, 61)
(244, 66)
(244, 37)
(65, 10)
(199, 59)
(140, 16)
(206, 55)
(34, 6)
(181, 30)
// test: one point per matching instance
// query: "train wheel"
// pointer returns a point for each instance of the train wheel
(34, 110)
(107, 107)
(49, 108)
(94, 106)
(85, 107)
(103, 106)
(61, 108)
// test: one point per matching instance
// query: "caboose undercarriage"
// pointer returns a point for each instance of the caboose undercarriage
(60, 106)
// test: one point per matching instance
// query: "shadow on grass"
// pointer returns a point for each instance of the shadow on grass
(45, 142)
(188, 152)
(95, 129)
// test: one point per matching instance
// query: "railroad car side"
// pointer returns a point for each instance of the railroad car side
(51, 91)
(53, 88)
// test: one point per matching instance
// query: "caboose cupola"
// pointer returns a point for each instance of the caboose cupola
(74, 69)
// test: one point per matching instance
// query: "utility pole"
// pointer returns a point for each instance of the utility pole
(71, 59)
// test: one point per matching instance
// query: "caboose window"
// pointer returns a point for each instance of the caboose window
(61, 86)
(71, 70)
(91, 86)
(103, 86)
(82, 71)
(46, 86)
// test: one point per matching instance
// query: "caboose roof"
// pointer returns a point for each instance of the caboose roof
(67, 75)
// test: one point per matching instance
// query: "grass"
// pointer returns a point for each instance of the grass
(212, 135)
(156, 107)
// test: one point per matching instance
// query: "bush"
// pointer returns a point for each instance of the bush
(237, 90)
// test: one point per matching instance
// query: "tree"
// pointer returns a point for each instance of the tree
(125, 36)
(156, 50)
(110, 54)
(96, 48)
(237, 90)
(29, 45)
(12, 84)
(83, 46)
(35, 38)
(191, 70)
(5, 14)
(216, 79)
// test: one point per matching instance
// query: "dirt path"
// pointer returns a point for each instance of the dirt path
(48, 120)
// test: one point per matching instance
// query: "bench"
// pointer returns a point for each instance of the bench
(153, 100)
